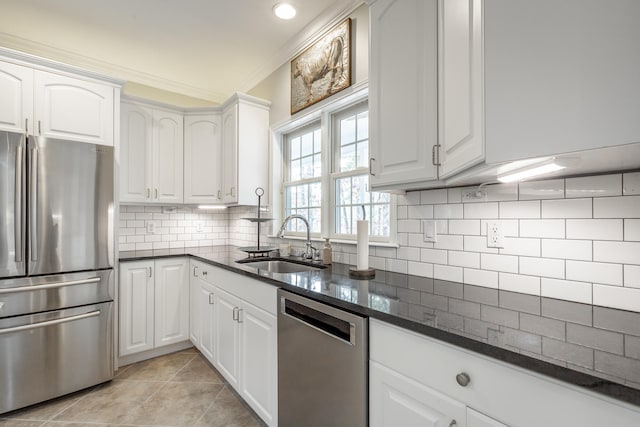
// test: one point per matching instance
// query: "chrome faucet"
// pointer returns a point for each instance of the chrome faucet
(310, 249)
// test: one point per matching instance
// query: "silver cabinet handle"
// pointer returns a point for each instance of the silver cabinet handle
(33, 213)
(150, 271)
(371, 160)
(195, 271)
(235, 313)
(49, 286)
(219, 195)
(18, 204)
(26, 126)
(39, 128)
(148, 193)
(49, 322)
(239, 315)
(233, 190)
(435, 155)
(463, 379)
(156, 194)
(211, 298)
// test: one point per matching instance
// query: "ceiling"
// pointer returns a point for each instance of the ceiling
(205, 49)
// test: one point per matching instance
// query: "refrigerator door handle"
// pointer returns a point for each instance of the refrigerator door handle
(18, 205)
(49, 286)
(33, 187)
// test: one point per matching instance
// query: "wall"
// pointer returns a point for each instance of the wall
(277, 87)
(575, 239)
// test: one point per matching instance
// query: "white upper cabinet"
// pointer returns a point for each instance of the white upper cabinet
(560, 76)
(245, 149)
(460, 86)
(403, 91)
(16, 87)
(202, 157)
(151, 160)
(43, 103)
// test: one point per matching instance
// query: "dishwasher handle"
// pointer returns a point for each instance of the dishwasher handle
(339, 329)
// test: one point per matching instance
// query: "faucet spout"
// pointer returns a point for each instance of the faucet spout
(309, 252)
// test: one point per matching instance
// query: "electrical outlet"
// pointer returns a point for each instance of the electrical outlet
(151, 227)
(494, 235)
(199, 227)
(473, 195)
(430, 234)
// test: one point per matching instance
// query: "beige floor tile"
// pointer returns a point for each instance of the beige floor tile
(228, 411)
(66, 424)
(47, 410)
(20, 423)
(158, 369)
(110, 403)
(198, 370)
(176, 404)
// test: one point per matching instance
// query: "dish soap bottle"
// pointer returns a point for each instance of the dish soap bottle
(326, 252)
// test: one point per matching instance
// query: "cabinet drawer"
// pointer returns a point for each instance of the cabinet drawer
(499, 390)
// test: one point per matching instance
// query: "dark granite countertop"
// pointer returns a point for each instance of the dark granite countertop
(594, 347)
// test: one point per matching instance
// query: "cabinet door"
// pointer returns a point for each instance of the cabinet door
(194, 309)
(395, 400)
(207, 315)
(135, 153)
(167, 157)
(171, 301)
(476, 419)
(136, 296)
(460, 80)
(403, 98)
(16, 108)
(202, 159)
(230, 155)
(77, 110)
(227, 336)
(259, 361)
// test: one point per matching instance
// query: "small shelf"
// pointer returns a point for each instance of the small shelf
(258, 219)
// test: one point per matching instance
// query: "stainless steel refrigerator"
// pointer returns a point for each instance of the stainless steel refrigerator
(56, 268)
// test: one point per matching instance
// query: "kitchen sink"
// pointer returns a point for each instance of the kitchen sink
(283, 266)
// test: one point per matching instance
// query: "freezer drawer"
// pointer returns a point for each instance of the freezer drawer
(50, 354)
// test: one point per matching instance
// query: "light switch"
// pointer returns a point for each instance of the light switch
(429, 230)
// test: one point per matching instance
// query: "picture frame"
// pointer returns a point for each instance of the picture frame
(322, 69)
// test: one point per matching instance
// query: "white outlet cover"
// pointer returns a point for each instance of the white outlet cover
(494, 235)
(429, 231)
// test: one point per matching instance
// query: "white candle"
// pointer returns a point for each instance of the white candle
(363, 245)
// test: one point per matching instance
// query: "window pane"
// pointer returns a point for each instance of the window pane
(363, 154)
(358, 186)
(315, 194)
(295, 170)
(380, 220)
(290, 198)
(317, 165)
(347, 158)
(363, 125)
(303, 196)
(343, 220)
(317, 141)
(343, 191)
(307, 144)
(307, 167)
(295, 148)
(347, 130)
(315, 220)
(380, 197)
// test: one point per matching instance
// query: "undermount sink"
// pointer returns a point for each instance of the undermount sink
(282, 266)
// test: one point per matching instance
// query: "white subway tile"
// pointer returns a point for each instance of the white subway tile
(545, 267)
(594, 229)
(144, 246)
(135, 208)
(396, 265)
(416, 240)
(594, 186)
(385, 252)
(454, 211)
(518, 210)
(567, 249)
(632, 230)
(595, 272)
(123, 247)
(566, 290)
(616, 297)
(632, 276)
(433, 197)
(477, 244)
(403, 239)
(617, 207)
(454, 195)
(160, 245)
(521, 246)
(567, 208)
(143, 216)
(618, 252)
(177, 244)
(409, 226)
(135, 239)
(449, 241)
(127, 231)
(519, 283)
(409, 254)
(420, 212)
(442, 226)
(538, 190)
(542, 228)
(464, 226)
(409, 198)
(375, 262)
(505, 263)
(487, 279)
(433, 256)
(464, 259)
(401, 212)
(127, 215)
(169, 238)
(502, 192)
(135, 224)
(152, 238)
(481, 210)
(631, 183)
(510, 227)
(445, 272)
(420, 269)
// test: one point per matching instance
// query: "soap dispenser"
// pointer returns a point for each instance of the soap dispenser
(326, 252)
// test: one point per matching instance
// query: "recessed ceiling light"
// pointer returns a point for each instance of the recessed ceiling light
(284, 11)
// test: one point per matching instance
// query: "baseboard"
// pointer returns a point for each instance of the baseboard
(150, 354)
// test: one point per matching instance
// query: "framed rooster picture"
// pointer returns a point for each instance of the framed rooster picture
(322, 69)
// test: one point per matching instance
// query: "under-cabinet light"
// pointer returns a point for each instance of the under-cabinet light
(284, 11)
(211, 207)
(530, 171)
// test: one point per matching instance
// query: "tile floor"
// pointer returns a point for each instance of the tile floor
(179, 389)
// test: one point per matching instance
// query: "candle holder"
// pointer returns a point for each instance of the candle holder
(366, 274)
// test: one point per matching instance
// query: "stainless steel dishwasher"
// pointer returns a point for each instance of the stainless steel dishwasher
(323, 357)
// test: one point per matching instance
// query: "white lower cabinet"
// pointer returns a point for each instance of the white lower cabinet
(154, 304)
(414, 381)
(234, 325)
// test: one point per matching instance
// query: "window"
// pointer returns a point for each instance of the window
(327, 181)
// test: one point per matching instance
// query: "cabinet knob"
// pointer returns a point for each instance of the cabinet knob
(453, 423)
(204, 272)
(463, 379)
